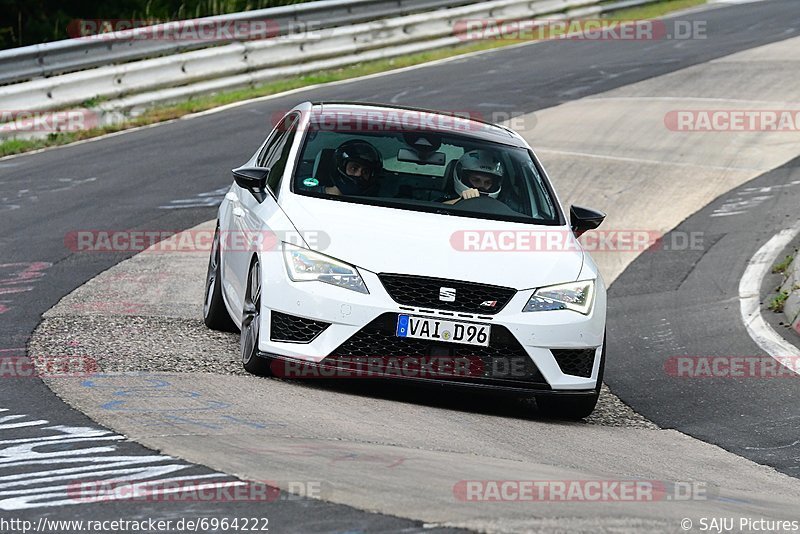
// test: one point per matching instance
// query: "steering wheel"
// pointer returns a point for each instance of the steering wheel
(484, 204)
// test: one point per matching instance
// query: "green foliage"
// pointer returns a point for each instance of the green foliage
(777, 302)
(26, 22)
(782, 266)
(201, 103)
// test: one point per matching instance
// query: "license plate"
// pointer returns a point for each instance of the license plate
(440, 330)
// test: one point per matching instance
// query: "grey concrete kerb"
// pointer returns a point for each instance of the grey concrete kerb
(791, 286)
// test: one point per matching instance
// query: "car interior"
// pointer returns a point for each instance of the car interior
(419, 182)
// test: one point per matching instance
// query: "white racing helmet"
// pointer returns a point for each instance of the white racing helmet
(482, 162)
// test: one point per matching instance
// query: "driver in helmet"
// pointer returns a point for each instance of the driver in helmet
(477, 172)
(358, 165)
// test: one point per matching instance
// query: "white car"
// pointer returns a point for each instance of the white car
(364, 240)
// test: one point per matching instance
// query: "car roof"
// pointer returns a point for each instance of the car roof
(457, 122)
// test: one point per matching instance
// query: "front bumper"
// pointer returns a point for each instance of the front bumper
(548, 341)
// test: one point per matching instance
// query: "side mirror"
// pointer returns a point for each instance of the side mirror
(254, 179)
(582, 220)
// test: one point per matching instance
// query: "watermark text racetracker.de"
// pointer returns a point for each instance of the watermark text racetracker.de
(733, 367)
(32, 120)
(192, 490)
(578, 29)
(209, 29)
(562, 240)
(169, 241)
(378, 366)
(142, 524)
(615, 490)
(46, 366)
(556, 240)
(404, 120)
(733, 120)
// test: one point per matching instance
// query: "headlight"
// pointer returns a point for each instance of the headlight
(575, 296)
(304, 265)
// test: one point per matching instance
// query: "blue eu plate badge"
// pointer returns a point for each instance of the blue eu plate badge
(402, 326)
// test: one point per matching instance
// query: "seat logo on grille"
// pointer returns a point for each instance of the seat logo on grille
(447, 294)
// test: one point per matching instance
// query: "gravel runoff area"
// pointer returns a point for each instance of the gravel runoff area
(144, 316)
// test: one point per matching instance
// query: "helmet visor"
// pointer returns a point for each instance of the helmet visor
(482, 181)
(358, 169)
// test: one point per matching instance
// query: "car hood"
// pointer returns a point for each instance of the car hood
(390, 240)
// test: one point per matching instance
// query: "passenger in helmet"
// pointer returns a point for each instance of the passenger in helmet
(358, 165)
(477, 172)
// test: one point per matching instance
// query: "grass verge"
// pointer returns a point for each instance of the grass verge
(777, 302)
(653, 10)
(202, 103)
(782, 266)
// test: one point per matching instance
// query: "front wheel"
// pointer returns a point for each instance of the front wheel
(251, 324)
(215, 314)
(573, 408)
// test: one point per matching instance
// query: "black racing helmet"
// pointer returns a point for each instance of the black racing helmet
(368, 157)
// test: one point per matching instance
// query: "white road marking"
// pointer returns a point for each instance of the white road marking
(726, 213)
(671, 163)
(789, 446)
(738, 205)
(750, 292)
(694, 99)
(53, 481)
(9, 426)
(200, 200)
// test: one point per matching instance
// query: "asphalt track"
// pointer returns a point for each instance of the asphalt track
(122, 181)
(693, 310)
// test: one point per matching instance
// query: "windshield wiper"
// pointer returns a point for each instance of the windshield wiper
(442, 211)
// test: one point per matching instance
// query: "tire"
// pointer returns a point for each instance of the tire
(251, 324)
(573, 408)
(215, 314)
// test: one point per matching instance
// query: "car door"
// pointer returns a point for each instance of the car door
(249, 217)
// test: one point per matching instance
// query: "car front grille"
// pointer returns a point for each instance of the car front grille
(423, 292)
(503, 362)
(293, 329)
(575, 362)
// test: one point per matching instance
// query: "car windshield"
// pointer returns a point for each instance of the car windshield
(424, 171)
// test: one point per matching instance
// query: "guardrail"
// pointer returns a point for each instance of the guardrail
(59, 57)
(129, 88)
